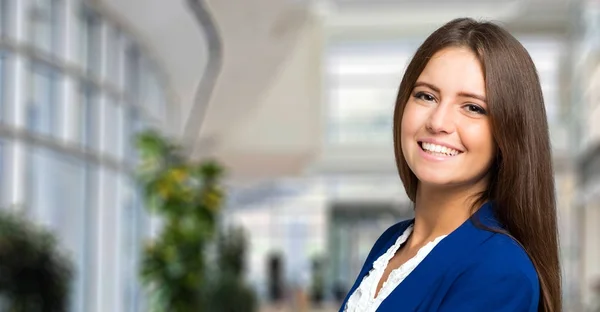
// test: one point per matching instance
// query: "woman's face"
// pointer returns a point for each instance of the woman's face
(446, 133)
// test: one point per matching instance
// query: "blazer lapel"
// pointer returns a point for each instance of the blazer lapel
(426, 276)
(375, 254)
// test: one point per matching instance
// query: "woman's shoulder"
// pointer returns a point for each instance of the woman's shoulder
(498, 252)
(502, 256)
(497, 274)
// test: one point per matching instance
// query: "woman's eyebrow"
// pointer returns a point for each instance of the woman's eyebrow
(428, 85)
(474, 96)
(463, 94)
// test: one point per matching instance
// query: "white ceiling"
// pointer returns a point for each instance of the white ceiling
(172, 33)
(259, 35)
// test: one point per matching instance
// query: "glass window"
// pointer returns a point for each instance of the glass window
(110, 246)
(90, 40)
(114, 57)
(55, 203)
(545, 53)
(354, 118)
(362, 82)
(44, 24)
(42, 108)
(132, 72)
(4, 17)
(124, 124)
(153, 95)
(133, 229)
(2, 85)
(112, 128)
(132, 127)
(90, 245)
(88, 119)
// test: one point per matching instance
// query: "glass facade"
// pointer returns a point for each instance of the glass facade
(132, 72)
(86, 121)
(42, 106)
(3, 69)
(45, 24)
(56, 202)
(4, 17)
(90, 41)
(67, 154)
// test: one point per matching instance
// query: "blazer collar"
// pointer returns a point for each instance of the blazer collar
(420, 282)
(423, 279)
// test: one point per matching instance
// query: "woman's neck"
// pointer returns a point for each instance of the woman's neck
(441, 211)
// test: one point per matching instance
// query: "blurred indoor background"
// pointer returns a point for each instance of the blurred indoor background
(293, 97)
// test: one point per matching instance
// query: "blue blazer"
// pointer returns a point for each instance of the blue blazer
(470, 270)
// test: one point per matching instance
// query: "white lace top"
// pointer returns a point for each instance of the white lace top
(363, 299)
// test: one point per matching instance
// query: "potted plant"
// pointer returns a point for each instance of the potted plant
(228, 291)
(34, 275)
(187, 197)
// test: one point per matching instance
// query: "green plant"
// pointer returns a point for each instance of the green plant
(228, 292)
(231, 247)
(34, 276)
(187, 198)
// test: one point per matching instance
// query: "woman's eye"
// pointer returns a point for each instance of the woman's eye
(425, 96)
(472, 108)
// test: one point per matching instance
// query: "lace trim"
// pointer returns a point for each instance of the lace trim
(363, 299)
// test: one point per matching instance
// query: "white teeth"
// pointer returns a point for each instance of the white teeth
(434, 148)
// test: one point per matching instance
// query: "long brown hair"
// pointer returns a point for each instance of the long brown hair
(521, 177)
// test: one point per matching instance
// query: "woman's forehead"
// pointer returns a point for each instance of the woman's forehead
(454, 70)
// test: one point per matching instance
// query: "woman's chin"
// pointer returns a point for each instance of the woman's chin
(435, 178)
(436, 183)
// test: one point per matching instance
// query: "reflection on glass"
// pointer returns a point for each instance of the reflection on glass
(90, 41)
(133, 233)
(134, 125)
(73, 190)
(112, 128)
(4, 16)
(90, 241)
(2, 84)
(114, 57)
(88, 117)
(111, 254)
(43, 23)
(58, 202)
(132, 72)
(41, 108)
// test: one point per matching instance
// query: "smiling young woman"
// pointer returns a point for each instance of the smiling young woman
(473, 151)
